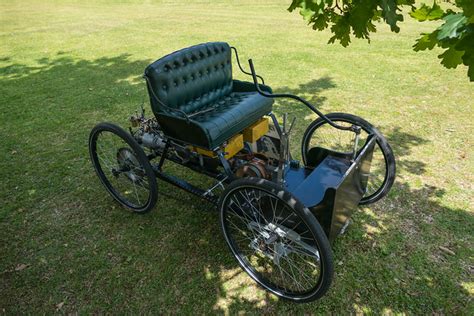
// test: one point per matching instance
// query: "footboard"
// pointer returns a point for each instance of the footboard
(333, 188)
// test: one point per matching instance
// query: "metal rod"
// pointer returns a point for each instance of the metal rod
(356, 142)
(297, 98)
(225, 164)
(186, 186)
(163, 155)
(218, 184)
(240, 66)
(275, 123)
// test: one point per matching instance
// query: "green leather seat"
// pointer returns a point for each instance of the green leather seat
(195, 99)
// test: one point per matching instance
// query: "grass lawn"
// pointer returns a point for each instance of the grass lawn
(66, 246)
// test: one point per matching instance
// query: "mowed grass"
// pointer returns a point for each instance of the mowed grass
(66, 246)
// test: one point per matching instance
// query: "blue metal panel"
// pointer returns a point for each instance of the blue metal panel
(334, 188)
(310, 190)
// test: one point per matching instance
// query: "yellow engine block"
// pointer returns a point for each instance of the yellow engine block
(234, 145)
(251, 134)
(255, 131)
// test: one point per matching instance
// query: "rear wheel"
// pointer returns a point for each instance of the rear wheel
(122, 167)
(276, 240)
(382, 171)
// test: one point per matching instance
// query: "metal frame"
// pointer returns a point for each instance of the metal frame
(227, 175)
(224, 177)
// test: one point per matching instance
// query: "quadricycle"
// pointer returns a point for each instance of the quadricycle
(278, 215)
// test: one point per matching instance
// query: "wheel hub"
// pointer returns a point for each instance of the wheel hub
(129, 166)
(275, 241)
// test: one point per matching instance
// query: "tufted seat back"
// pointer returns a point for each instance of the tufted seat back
(191, 78)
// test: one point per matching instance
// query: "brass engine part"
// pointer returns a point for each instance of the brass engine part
(254, 168)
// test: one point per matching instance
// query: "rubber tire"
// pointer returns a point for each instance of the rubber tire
(141, 157)
(327, 264)
(389, 157)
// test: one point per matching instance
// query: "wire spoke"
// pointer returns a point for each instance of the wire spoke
(260, 226)
(121, 167)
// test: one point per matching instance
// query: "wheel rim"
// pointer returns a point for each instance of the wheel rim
(120, 169)
(326, 136)
(272, 242)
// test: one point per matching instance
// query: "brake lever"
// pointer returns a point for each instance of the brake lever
(291, 125)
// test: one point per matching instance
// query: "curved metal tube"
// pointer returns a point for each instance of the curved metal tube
(352, 128)
(240, 66)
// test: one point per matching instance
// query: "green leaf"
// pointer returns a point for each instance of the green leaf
(467, 7)
(360, 17)
(426, 13)
(451, 58)
(295, 4)
(341, 29)
(320, 22)
(467, 44)
(426, 41)
(452, 27)
(390, 15)
(405, 2)
(468, 60)
(306, 13)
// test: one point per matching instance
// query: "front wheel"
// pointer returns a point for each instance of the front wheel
(122, 167)
(382, 171)
(276, 240)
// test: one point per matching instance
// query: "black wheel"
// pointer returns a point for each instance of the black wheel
(122, 167)
(276, 240)
(382, 170)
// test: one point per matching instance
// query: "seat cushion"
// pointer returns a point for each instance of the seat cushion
(191, 78)
(223, 119)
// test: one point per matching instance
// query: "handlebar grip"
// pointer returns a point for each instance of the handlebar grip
(255, 81)
(252, 70)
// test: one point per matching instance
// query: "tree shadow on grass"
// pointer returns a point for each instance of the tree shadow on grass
(310, 91)
(402, 144)
(83, 250)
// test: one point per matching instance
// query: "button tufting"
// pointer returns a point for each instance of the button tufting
(199, 82)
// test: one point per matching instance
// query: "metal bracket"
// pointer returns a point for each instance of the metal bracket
(356, 129)
(284, 148)
(225, 163)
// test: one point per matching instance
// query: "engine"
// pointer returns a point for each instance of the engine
(252, 165)
(246, 159)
